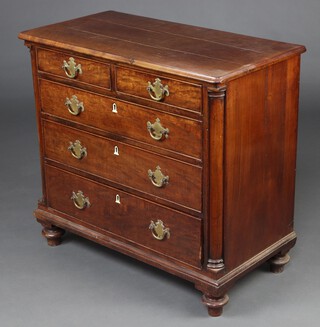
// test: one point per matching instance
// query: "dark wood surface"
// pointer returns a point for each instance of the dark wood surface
(183, 95)
(130, 219)
(260, 156)
(216, 122)
(230, 155)
(199, 53)
(130, 120)
(93, 72)
(129, 168)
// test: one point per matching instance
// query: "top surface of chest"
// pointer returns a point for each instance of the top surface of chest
(193, 52)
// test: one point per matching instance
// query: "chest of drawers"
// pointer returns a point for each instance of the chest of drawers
(173, 144)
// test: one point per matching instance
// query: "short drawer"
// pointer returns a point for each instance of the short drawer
(159, 89)
(141, 123)
(74, 68)
(125, 215)
(124, 164)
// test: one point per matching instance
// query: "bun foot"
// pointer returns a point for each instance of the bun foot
(53, 234)
(215, 304)
(278, 262)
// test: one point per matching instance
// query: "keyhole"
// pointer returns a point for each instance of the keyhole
(116, 151)
(114, 108)
(117, 199)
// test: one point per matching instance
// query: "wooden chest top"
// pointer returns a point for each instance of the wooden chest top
(188, 51)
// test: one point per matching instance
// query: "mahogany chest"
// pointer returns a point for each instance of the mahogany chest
(173, 144)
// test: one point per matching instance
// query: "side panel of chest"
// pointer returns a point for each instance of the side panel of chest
(260, 154)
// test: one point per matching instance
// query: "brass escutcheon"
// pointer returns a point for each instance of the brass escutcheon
(157, 178)
(157, 131)
(79, 200)
(75, 107)
(71, 68)
(116, 151)
(159, 231)
(77, 150)
(118, 199)
(114, 108)
(157, 91)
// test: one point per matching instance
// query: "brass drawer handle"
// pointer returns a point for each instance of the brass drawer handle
(157, 178)
(71, 68)
(77, 150)
(75, 107)
(159, 231)
(79, 200)
(157, 131)
(157, 91)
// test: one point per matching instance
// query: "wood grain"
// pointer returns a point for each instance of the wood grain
(261, 119)
(194, 52)
(93, 72)
(130, 119)
(230, 156)
(130, 168)
(130, 219)
(216, 177)
(183, 95)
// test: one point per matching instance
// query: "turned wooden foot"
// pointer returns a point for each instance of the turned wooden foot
(215, 304)
(278, 262)
(53, 234)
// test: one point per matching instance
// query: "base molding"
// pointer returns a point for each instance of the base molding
(197, 276)
(214, 290)
(281, 246)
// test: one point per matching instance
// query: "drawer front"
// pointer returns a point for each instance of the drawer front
(173, 92)
(172, 132)
(89, 71)
(125, 215)
(145, 171)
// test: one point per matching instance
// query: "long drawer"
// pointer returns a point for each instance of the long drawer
(147, 224)
(122, 118)
(137, 168)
